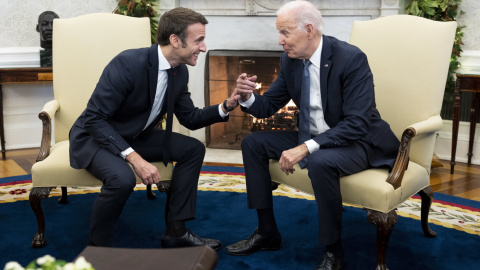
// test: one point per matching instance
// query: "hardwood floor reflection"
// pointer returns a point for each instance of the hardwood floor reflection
(464, 183)
(18, 162)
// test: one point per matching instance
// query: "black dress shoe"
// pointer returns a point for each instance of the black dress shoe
(329, 262)
(189, 239)
(255, 243)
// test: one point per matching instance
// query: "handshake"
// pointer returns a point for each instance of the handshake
(243, 91)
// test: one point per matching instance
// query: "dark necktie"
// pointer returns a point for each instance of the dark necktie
(304, 118)
(169, 102)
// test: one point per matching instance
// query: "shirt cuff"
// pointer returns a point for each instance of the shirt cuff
(247, 103)
(312, 145)
(220, 111)
(125, 153)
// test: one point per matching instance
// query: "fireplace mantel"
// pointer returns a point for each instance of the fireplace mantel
(371, 8)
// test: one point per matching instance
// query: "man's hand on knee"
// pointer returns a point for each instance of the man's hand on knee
(145, 170)
(291, 157)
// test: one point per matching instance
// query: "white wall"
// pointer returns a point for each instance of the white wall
(471, 20)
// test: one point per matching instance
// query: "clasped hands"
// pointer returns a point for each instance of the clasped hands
(245, 87)
(243, 90)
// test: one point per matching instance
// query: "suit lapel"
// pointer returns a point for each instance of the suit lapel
(325, 66)
(153, 72)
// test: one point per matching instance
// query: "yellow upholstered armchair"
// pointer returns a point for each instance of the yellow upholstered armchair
(82, 47)
(409, 57)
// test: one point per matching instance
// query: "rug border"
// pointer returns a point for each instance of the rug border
(207, 169)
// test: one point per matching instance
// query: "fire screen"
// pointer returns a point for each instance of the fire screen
(222, 70)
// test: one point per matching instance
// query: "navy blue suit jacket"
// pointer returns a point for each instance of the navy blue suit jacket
(348, 100)
(120, 106)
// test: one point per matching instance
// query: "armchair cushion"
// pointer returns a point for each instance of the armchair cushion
(56, 171)
(365, 189)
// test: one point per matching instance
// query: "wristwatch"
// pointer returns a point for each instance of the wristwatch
(226, 107)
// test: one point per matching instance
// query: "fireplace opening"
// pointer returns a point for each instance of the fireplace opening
(221, 72)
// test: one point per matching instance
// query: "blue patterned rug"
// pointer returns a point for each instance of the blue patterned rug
(222, 213)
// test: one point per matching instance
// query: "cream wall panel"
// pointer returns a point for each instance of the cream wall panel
(471, 19)
(19, 18)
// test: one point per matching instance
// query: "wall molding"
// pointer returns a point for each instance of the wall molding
(371, 8)
(469, 62)
(20, 57)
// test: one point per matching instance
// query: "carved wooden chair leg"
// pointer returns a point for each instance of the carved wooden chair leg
(150, 194)
(427, 197)
(35, 198)
(164, 186)
(63, 199)
(384, 223)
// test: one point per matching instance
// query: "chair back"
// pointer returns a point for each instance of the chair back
(409, 57)
(82, 47)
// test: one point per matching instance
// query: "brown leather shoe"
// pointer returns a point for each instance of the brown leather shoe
(329, 262)
(254, 243)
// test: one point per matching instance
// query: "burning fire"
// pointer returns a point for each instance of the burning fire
(277, 121)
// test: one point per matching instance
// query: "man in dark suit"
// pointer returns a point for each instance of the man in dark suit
(137, 88)
(344, 131)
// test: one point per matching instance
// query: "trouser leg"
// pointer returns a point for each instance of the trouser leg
(188, 153)
(257, 149)
(325, 167)
(118, 183)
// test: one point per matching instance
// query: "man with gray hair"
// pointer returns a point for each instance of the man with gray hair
(340, 131)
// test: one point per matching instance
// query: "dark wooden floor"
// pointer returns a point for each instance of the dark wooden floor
(464, 183)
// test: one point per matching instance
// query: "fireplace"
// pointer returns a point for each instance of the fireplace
(222, 69)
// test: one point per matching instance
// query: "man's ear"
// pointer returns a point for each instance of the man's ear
(38, 28)
(310, 30)
(175, 41)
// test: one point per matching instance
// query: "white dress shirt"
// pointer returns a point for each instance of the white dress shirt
(317, 119)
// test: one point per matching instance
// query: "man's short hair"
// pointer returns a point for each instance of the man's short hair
(176, 21)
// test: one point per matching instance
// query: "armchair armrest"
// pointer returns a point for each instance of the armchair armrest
(432, 124)
(46, 115)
